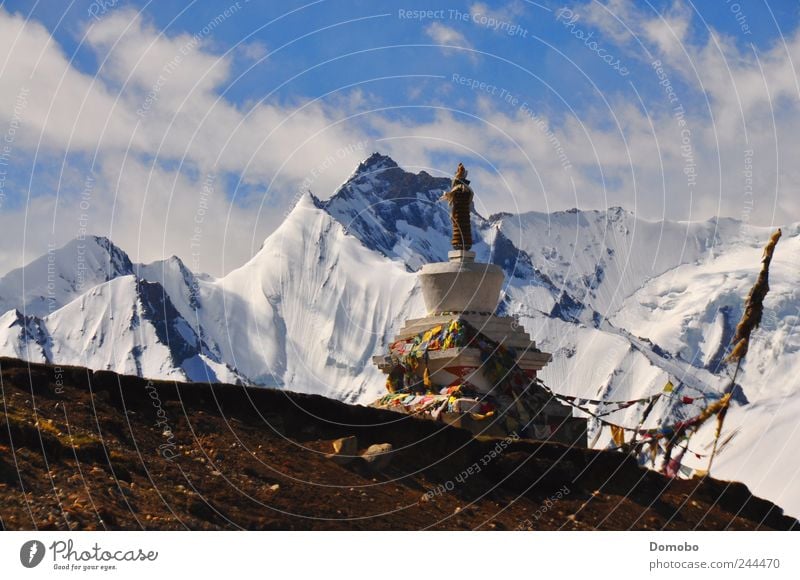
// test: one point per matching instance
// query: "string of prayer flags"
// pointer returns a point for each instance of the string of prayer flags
(754, 305)
(622, 404)
(409, 354)
(643, 418)
(751, 319)
(720, 420)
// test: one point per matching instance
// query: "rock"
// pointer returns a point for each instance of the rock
(344, 450)
(346, 445)
(378, 456)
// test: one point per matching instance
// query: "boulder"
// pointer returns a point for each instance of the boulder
(378, 456)
(344, 450)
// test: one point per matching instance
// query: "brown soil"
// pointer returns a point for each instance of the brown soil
(90, 450)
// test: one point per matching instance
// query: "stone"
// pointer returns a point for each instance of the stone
(378, 456)
(344, 450)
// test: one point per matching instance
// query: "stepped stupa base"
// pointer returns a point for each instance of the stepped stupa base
(460, 380)
(448, 366)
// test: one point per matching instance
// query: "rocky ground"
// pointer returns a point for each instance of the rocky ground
(95, 450)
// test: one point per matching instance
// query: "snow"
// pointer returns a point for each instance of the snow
(316, 305)
(23, 337)
(52, 280)
(763, 451)
(108, 322)
(601, 258)
(691, 310)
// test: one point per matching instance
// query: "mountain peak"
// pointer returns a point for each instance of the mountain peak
(54, 279)
(616, 212)
(307, 200)
(375, 162)
(378, 179)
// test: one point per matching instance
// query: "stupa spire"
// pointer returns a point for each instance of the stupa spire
(460, 199)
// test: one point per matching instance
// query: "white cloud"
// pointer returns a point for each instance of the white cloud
(502, 13)
(632, 24)
(156, 102)
(65, 107)
(669, 31)
(253, 51)
(448, 37)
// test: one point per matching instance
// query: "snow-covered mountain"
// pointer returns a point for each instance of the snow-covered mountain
(623, 303)
(61, 275)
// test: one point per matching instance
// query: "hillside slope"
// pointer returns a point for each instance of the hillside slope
(97, 450)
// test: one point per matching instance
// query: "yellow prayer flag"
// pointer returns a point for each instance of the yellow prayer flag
(618, 435)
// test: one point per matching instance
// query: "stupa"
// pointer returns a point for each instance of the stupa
(462, 363)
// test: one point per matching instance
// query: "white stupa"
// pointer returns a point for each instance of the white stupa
(464, 293)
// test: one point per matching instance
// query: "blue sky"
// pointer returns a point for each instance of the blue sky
(671, 109)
